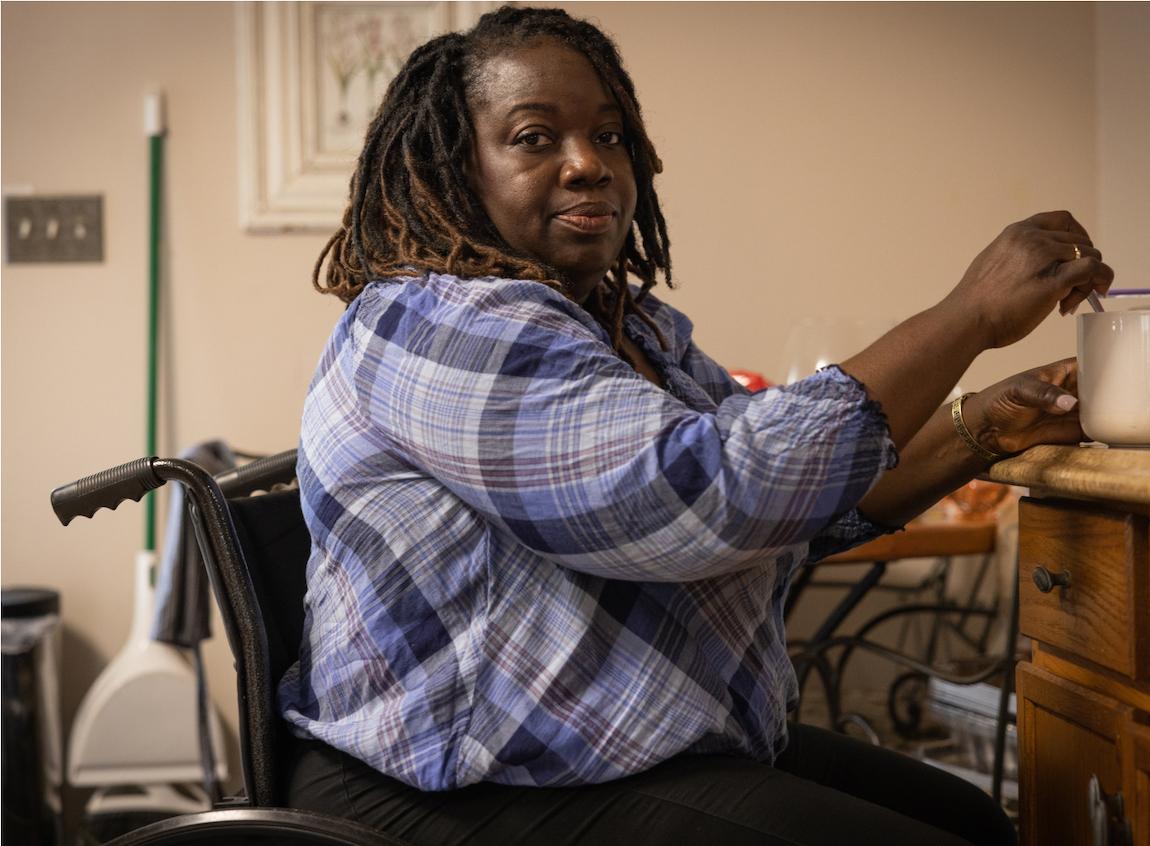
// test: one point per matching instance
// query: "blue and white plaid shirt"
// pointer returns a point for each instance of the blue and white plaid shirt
(533, 566)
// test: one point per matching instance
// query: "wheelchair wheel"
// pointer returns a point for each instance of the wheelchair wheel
(256, 827)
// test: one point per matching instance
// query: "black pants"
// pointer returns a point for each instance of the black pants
(824, 789)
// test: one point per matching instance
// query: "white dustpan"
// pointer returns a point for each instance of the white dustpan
(138, 723)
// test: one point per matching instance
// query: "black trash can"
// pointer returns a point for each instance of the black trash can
(32, 757)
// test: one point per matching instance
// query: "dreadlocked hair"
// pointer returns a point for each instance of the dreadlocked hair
(411, 209)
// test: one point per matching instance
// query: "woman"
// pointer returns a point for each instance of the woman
(551, 538)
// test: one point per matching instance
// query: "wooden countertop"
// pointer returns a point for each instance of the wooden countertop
(1121, 475)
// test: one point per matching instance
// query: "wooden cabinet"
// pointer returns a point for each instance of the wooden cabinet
(1070, 738)
(1084, 601)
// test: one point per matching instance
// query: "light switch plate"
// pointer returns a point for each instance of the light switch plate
(54, 229)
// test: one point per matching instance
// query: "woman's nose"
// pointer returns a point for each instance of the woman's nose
(584, 164)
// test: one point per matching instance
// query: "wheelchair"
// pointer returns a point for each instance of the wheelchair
(255, 549)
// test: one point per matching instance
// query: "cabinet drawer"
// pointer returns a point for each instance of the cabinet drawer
(1101, 614)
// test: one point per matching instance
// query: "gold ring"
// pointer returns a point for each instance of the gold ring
(1077, 252)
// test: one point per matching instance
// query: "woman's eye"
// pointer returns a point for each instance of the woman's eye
(531, 139)
(611, 137)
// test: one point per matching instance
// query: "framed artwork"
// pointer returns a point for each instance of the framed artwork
(311, 76)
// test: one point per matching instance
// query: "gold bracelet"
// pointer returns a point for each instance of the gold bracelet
(964, 433)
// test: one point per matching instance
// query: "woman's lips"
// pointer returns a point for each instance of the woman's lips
(592, 224)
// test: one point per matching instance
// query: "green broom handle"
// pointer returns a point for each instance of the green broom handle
(154, 121)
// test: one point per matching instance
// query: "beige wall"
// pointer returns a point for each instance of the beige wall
(1123, 91)
(820, 159)
(850, 159)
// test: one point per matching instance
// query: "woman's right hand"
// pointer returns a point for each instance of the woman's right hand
(1013, 284)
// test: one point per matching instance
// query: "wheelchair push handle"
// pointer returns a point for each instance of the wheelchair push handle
(259, 475)
(106, 489)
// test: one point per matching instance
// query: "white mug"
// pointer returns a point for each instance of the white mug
(1114, 376)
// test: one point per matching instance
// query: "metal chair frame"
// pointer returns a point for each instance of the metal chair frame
(814, 653)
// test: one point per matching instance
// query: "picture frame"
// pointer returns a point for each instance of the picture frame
(310, 77)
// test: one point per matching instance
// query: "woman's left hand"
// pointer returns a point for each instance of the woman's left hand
(1035, 407)
(1039, 406)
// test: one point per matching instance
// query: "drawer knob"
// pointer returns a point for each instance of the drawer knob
(1047, 581)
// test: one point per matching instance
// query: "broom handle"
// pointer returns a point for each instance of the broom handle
(154, 125)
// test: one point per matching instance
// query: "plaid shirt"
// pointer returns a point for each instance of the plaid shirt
(533, 566)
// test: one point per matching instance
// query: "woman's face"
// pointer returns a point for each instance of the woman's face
(550, 162)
